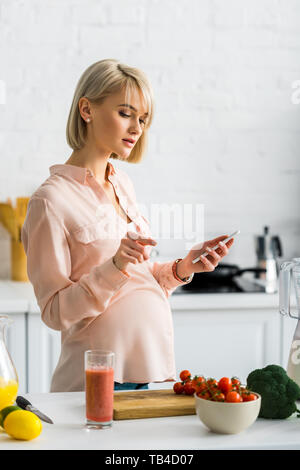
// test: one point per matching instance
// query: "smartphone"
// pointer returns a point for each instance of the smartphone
(217, 246)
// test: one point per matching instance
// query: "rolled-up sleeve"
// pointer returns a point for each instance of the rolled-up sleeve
(164, 275)
(63, 302)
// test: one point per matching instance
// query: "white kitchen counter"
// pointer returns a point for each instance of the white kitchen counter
(236, 300)
(19, 297)
(67, 410)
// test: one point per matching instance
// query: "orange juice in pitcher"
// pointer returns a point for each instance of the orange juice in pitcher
(8, 375)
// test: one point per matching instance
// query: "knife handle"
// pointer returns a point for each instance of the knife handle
(22, 402)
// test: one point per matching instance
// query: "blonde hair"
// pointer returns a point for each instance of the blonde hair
(98, 81)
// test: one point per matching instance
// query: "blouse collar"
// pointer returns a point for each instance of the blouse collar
(77, 172)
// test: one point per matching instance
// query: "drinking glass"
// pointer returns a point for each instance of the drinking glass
(99, 388)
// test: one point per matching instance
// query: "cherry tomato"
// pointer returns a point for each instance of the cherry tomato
(204, 394)
(252, 397)
(197, 380)
(178, 388)
(201, 387)
(225, 384)
(233, 397)
(185, 375)
(189, 389)
(212, 383)
(235, 381)
(249, 396)
(218, 396)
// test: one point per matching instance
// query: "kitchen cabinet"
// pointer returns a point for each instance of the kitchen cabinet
(229, 334)
(226, 342)
(43, 354)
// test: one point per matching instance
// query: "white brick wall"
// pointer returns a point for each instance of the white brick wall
(225, 133)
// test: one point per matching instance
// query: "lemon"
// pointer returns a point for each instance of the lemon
(23, 424)
(5, 411)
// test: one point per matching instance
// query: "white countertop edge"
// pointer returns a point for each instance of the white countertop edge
(13, 306)
(19, 297)
(223, 301)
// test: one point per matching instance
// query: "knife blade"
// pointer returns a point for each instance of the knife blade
(26, 405)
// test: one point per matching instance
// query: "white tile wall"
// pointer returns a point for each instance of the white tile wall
(225, 134)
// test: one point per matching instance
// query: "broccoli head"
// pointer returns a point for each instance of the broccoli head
(278, 392)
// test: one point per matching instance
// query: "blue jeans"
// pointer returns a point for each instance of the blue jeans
(129, 386)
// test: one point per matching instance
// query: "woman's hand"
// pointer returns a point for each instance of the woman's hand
(206, 263)
(132, 251)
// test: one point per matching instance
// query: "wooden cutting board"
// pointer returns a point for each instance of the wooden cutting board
(152, 404)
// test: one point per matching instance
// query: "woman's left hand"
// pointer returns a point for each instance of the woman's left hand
(206, 263)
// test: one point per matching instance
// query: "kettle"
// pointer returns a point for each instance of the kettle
(268, 249)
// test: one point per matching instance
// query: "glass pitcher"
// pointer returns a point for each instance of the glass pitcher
(9, 382)
(285, 287)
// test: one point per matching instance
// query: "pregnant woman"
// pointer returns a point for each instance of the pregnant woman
(92, 278)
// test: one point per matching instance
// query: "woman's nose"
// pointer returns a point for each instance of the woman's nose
(136, 127)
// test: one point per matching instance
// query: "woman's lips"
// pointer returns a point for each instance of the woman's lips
(129, 144)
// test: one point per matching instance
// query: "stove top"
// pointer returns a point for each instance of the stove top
(236, 285)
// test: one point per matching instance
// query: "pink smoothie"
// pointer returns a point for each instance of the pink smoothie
(99, 393)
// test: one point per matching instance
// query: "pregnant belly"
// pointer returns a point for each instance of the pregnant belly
(140, 317)
(136, 312)
(139, 329)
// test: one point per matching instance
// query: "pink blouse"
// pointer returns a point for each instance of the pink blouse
(70, 235)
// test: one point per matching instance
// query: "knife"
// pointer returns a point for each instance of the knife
(26, 405)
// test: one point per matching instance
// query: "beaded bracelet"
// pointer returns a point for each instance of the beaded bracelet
(174, 269)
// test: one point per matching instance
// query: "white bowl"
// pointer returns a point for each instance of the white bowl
(227, 418)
